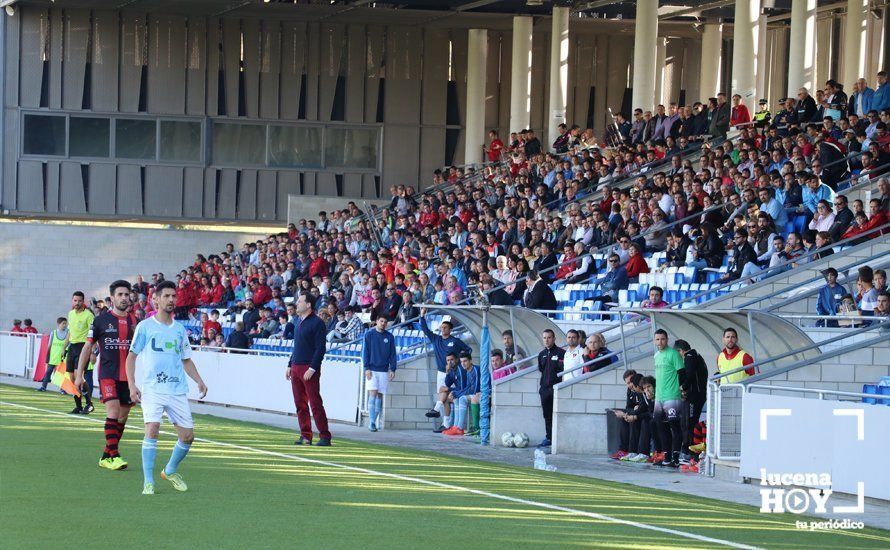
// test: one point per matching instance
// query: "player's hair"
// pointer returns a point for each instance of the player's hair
(649, 381)
(628, 374)
(308, 298)
(682, 345)
(79, 294)
(452, 354)
(732, 330)
(507, 332)
(661, 331)
(497, 352)
(164, 285)
(118, 284)
(449, 323)
(547, 330)
(60, 319)
(572, 331)
(637, 379)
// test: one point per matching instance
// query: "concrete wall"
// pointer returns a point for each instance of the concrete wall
(516, 406)
(42, 264)
(579, 411)
(411, 395)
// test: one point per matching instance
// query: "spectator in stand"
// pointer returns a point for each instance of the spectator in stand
(550, 364)
(879, 280)
(539, 294)
(17, 327)
(596, 348)
(238, 338)
(694, 393)
(880, 101)
(210, 322)
(883, 307)
(636, 264)
(733, 358)
(830, 297)
(251, 317)
(744, 259)
(720, 119)
(512, 352)
(739, 114)
(866, 296)
(655, 299)
(29, 328)
(824, 217)
(495, 147)
(861, 99)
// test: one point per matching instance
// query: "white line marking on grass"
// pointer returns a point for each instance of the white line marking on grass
(422, 481)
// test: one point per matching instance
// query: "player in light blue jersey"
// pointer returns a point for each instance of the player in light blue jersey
(166, 360)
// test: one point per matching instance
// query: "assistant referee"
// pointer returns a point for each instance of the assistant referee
(79, 321)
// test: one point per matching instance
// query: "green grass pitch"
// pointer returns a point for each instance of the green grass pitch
(250, 488)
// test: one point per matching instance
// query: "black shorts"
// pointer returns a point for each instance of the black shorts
(667, 410)
(73, 357)
(111, 389)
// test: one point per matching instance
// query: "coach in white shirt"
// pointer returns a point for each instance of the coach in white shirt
(574, 355)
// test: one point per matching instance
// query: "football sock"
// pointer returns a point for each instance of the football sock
(78, 402)
(112, 437)
(440, 407)
(179, 451)
(149, 450)
(446, 421)
(120, 429)
(379, 408)
(372, 409)
(474, 416)
(461, 412)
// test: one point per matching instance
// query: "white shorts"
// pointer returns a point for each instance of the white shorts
(440, 381)
(154, 405)
(379, 382)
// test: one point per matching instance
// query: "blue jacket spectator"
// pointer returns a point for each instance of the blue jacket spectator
(830, 297)
(881, 98)
(615, 280)
(814, 192)
(309, 342)
(866, 97)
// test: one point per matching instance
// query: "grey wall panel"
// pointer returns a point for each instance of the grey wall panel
(288, 184)
(313, 48)
(102, 188)
(620, 55)
(196, 66)
(601, 82)
(691, 80)
(352, 185)
(584, 47)
(369, 186)
(166, 65)
(293, 57)
(402, 168)
(247, 195)
(459, 47)
(309, 183)
(251, 29)
(77, 29)
(105, 62)
(572, 76)
(193, 193)
(209, 210)
(71, 183)
(432, 154)
(52, 186)
(540, 80)
(355, 73)
(34, 29)
(133, 38)
(163, 191)
(11, 64)
(504, 89)
(270, 68)
(231, 61)
(492, 74)
(55, 59)
(374, 70)
(403, 76)
(266, 195)
(325, 184)
(213, 63)
(333, 39)
(673, 70)
(435, 75)
(129, 190)
(30, 189)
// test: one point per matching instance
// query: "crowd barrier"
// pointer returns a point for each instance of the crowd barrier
(234, 379)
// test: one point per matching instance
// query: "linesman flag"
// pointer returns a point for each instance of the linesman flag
(60, 378)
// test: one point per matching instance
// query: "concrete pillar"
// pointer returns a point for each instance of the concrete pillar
(744, 49)
(521, 74)
(662, 89)
(645, 45)
(477, 52)
(802, 47)
(711, 47)
(559, 72)
(854, 43)
(762, 70)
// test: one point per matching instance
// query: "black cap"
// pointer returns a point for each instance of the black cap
(763, 102)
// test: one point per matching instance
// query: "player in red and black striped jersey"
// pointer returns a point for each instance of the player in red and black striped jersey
(112, 332)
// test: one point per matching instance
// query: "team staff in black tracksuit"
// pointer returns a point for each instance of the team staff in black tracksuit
(694, 390)
(629, 405)
(640, 431)
(550, 364)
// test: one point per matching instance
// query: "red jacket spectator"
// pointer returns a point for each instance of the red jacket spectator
(320, 267)
(261, 294)
(739, 115)
(429, 219)
(494, 149)
(205, 296)
(210, 324)
(216, 294)
(565, 269)
(17, 327)
(636, 265)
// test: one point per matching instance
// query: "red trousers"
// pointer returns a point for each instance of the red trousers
(308, 391)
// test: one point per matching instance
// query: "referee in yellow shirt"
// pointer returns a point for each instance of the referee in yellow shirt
(79, 321)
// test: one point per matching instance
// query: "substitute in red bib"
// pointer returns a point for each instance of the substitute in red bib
(112, 332)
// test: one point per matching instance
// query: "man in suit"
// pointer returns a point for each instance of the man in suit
(539, 294)
(720, 120)
(861, 101)
(806, 106)
(545, 262)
